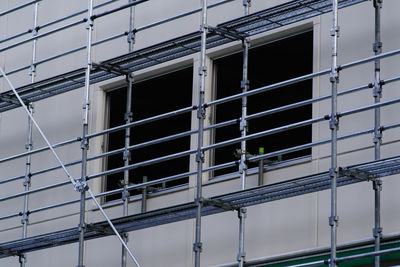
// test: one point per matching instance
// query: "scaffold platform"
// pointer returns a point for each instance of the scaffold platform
(218, 204)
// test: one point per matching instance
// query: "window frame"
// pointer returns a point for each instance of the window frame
(145, 77)
(257, 43)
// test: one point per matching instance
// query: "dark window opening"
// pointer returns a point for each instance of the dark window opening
(152, 97)
(268, 64)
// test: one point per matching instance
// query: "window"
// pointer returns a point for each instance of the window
(152, 97)
(268, 64)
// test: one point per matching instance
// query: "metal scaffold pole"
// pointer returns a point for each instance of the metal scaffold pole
(29, 143)
(334, 126)
(245, 84)
(128, 119)
(85, 141)
(80, 185)
(197, 246)
(27, 185)
(377, 94)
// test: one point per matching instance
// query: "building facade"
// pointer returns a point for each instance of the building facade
(143, 99)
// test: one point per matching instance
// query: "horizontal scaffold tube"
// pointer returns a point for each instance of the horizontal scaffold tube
(97, 42)
(105, 13)
(120, 190)
(191, 12)
(55, 21)
(5, 12)
(180, 135)
(300, 78)
(36, 37)
(178, 176)
(67, 26)
(140, 122)
(37, 63)
(34, 151)
(285, 258)
(217, 125)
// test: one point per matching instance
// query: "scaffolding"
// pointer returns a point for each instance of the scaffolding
(236, 30)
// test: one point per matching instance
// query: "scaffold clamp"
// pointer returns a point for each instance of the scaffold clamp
(334, 220)
(80, 186)
(198, 247)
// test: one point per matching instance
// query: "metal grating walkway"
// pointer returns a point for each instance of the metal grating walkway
(255, 23)
(218, 204)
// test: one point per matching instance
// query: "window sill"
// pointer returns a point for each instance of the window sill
(267, 167)
(231, 176)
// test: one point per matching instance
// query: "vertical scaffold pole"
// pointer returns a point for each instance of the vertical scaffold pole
(27, 185)
(197, 246)
(377, 94)
(245, 84)
(29, 143)
(242, 212)
(128, 119)
(334, 126)
(85, 142)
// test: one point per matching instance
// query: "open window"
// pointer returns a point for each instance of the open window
(151, 97)
(268, 64)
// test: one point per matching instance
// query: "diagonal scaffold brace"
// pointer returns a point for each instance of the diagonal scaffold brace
(78, 185)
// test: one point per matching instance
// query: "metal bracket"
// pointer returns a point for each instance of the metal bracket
(204, 27)
(247, 3)
(22, 258)
(335, 31)
(377, 185)
(197, 247)
(105, 229)
(128, 116)
(9, 99)
(27, 179)
(246, 42)
(84, 143)
(244, 125)
(244, 84)
(32, 70)
(334, 220)
(125, 195)
(130, 77)
(86, 105)
(111, 68)
(90, 22)
(224, 32)
(202, 70)
(334, 76)
(377, 232)
(332, 172)
(126, 155)
(377, 136)
(242, 213)
(28, 145)
(125, 236)
(131, 36)
(377, 47)
(334, 123)
(377, 91)
(200, 156)
(201, 112)
(242, 167)
(357, 174)
(241, 255)
(25, 216)
(81, 186)
(378, 3)
(220, 204)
